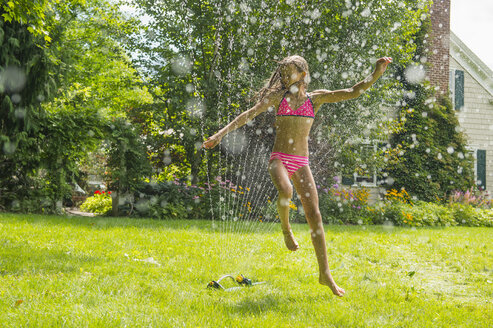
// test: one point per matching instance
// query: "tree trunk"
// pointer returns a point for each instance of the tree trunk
(115, 201)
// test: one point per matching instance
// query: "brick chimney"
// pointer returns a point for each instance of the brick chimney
(439, 40)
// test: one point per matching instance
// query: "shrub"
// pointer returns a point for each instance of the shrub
(472, 197)
(340, 205)
(468, 215)
(100, 203)
(178, 199)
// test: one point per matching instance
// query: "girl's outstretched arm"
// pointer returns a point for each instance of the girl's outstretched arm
(326, 96)
(269, 100)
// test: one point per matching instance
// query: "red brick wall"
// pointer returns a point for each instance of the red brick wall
(439, 39)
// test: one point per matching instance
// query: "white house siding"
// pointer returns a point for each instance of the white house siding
(476, 118)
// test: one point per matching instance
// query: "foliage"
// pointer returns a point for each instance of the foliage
(401, 196)
(433, 160)
(433, 214)
(340, 205)
(469, 215)
(205, 59)
(49, 122)
(420, 214)
(24, 81)
(178, 199)
(24, 12)
(100, 203)
(127, 162)
(473, 196)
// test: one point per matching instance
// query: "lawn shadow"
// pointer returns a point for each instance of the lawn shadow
(255, 305)
(21, 258)
(108, 222)
(206, 226)
(276, 303)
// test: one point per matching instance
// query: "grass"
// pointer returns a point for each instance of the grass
(98, 272)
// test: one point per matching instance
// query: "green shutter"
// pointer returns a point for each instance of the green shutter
(481, 168)
(459, 89)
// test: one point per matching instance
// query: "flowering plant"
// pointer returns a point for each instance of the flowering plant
(100, 203)
(341, 205)
(470, 197)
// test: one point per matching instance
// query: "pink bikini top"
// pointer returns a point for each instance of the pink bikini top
(305, 110)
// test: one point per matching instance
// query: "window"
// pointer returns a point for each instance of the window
(369, 179)
(456, 85)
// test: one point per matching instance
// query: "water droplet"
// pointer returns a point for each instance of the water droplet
(366, 12)
(20, 113)
(415, 74)
(9, 148)
(181, 65)
(293, 89)
(16, 98)
(195, 107)
(12, 79)
(234, 142)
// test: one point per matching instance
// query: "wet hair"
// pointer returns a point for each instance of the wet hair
(274, 83)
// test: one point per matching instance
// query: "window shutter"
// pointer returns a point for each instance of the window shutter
(459, 90)
(481, 168)
(347, 180)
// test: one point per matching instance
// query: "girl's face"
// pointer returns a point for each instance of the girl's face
(290, 74)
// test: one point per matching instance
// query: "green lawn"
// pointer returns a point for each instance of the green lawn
(85, 272)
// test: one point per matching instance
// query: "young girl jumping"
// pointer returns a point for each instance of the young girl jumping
(296, 109)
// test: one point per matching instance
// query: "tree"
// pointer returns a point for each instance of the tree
(57, 97)
(24, 83)
(433, 159)
(204, 59)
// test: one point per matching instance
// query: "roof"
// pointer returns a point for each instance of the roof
(474, 66)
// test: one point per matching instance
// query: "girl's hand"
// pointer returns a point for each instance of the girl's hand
(382, 64)
(212, 142)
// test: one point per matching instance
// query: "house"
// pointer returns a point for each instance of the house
(471, 88)
(454, 67)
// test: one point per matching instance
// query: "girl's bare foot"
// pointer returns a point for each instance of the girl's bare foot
(328, 281)
(289, 240)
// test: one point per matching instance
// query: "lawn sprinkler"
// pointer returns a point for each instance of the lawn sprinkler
(240, 279)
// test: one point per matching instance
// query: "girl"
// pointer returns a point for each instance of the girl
(296, 109)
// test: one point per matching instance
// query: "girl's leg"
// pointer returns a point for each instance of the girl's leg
(306, 189)
(279, 176)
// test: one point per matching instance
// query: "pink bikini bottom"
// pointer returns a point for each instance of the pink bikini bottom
(291, 162)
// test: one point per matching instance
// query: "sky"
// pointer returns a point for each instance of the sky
(472, 22)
